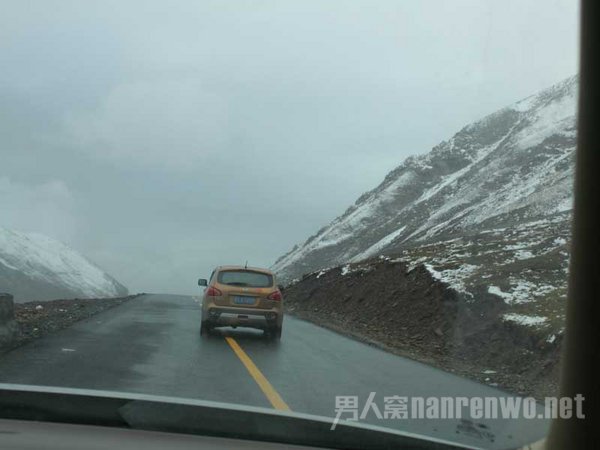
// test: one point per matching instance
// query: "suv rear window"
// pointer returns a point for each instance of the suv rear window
(245, 278)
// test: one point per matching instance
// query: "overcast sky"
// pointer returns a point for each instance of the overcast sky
(163, 138)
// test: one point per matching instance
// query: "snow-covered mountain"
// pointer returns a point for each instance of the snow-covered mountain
(36, 267)
(501, 176)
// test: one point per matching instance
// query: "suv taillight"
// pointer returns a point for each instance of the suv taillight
(275, 296)
(213, 292)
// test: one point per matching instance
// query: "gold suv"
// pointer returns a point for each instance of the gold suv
(240, 296)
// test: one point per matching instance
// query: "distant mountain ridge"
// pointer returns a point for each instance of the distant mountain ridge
(511, 168)
(36, 267)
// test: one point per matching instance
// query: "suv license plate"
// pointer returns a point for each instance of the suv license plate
(243, 300)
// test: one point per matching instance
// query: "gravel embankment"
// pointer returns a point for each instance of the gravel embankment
(38, 319)
(409, 313)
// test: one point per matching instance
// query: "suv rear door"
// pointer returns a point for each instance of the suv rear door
(245, 288)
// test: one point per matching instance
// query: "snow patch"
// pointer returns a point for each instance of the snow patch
(522, 319)
(455, 278)
(379, 245)
(522, 291)
(560, 241)
(523, 254)
(321, 273)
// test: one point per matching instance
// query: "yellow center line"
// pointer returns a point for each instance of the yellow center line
(260, 379)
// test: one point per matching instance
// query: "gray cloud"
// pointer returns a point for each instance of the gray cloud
(47, 207)
(190, 134)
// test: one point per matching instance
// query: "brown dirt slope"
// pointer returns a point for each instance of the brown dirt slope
(414, 315)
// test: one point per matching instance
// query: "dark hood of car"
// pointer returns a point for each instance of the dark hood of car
(198, 417)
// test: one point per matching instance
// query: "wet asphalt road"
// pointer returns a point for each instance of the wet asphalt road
(152, 345)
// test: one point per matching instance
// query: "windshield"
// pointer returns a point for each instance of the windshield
(245, 278)
(384, 187)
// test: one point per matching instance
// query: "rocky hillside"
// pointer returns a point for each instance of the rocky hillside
(512, 170)
(36, 267)
(487, 212)
(459, 258)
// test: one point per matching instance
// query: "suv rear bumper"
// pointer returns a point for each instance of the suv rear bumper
(243, 317)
